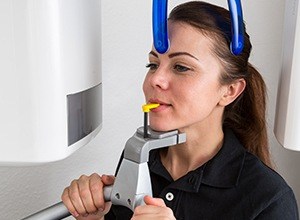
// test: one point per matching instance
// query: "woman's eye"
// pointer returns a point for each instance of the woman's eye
(180, 68)
(152, 66)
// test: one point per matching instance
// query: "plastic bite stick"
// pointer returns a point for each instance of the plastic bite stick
(146, 109)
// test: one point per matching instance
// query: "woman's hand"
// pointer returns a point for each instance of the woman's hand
(84, 197)
(155, 209)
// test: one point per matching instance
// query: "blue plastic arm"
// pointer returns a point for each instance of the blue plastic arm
(159, 25)
(237, 26)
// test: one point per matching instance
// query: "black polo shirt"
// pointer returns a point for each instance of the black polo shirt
(233, 185)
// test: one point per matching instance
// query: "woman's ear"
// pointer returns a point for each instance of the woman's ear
(232, 91)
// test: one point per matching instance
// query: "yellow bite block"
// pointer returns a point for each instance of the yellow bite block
(148, 107)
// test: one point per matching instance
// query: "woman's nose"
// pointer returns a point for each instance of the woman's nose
(160, 79)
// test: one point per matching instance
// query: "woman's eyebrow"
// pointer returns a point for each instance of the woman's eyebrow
(153, 53)
(175, 54)
(182, 54)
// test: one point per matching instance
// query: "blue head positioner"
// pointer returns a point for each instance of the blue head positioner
(159, 25)
(237, 26)
(160, 28)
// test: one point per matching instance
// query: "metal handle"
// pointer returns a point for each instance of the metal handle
(54, 212)
(59, 211)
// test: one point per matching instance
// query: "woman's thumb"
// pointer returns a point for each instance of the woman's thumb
(154, 201)
(108, 179)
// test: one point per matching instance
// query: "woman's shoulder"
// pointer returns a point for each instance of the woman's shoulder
(252, 171)
(256, 172)
(267, 188)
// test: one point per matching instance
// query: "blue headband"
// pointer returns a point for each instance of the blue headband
(160, 28)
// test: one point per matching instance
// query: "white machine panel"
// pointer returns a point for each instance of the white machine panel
(287, 122)
(50, 86)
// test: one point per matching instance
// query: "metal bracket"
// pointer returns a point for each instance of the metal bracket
(133, 180)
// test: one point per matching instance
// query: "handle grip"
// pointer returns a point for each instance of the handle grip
(59, 211)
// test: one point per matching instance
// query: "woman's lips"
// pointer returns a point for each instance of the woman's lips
(162, 105)
(160, 108)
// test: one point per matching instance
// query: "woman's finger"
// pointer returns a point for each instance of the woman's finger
(86, 194)
(75, 198)
(67, 202)
(96, 186)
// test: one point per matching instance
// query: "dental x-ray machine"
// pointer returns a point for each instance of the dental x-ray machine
(51, 86)
(287, 121)
(133, 180)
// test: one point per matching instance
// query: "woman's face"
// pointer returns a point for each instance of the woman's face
(184, 81)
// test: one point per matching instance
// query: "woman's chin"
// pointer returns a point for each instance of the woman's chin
(162, 128)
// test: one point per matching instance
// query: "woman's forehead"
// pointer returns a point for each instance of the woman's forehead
(184, 37)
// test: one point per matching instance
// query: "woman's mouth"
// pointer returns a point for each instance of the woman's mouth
(162, 105)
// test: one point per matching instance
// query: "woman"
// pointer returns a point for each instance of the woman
(218, 99)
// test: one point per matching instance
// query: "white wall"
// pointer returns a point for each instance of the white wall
(126, 42)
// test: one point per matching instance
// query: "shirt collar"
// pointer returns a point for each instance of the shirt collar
(222, 171)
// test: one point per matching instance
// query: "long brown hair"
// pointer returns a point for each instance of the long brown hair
(246, 115)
